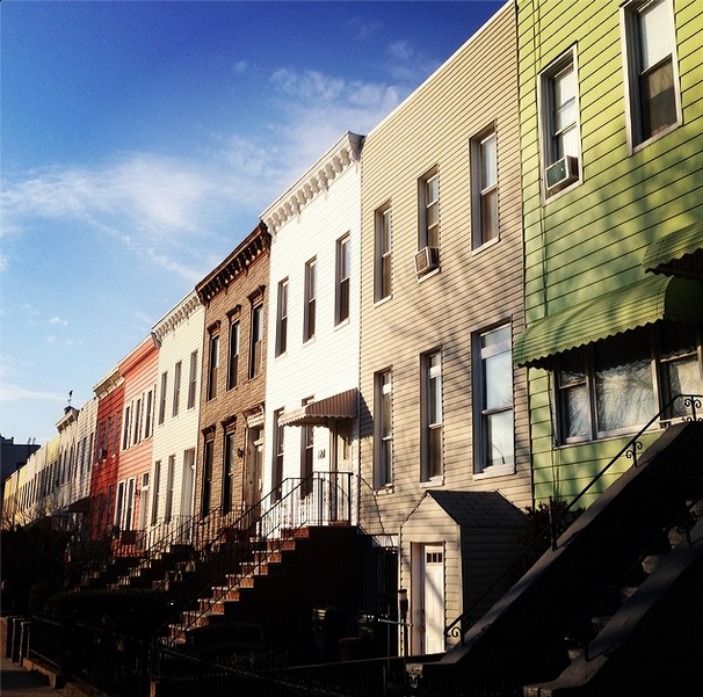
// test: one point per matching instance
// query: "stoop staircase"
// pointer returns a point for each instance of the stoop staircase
(615, 606)
(294, 551)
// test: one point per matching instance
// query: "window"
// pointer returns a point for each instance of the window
(484, 191)
(343, 279)
(129, 506)
(233, 364)
(282, 318)
(125, 434)
(307, 449)
(192, 379)
(383, 428)
(561, 139)
(278, 433)
(617, 385)
(256, 334)
(214, 363)
(119, 505)
(431, 414)
(651, 81)
(162, 397)
(228, 472)
(148, 413)
(493, 390)
(176, 388)
(207, 477)
(429, 210)
(138, 422)
(155, 493)
(143, 500)
(170, 474)
(309, 300)
(382, 275)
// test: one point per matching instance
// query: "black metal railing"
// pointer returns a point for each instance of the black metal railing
(322, 498)
(681, 407)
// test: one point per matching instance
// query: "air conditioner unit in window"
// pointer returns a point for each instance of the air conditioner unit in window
(426, 260)
(562, 173)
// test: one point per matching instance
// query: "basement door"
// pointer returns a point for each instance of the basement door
(432, 599)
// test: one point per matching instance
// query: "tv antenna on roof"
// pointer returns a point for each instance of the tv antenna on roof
(70, 397)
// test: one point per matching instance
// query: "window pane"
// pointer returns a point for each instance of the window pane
(489, 215)
(624, 391)
(432, 189)
(572, 369)
(656, 30)
(498, 381)
(499, 437)
(564, 87)
(432, 215)
(683, 377)
(567, 142)
(488, 162)
(498, 336)
(658, 99)
(575, 416)
(434, 453)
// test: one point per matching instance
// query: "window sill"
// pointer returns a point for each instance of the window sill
(634, 149)
(385, 490)
(495, 471)
(281, 355)
(431, 274)
(307, 342)
(383, 301)
(342, 324)
(607, 437)
(548, 199)
(432, 483)
(485, 246)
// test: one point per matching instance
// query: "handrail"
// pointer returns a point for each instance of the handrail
(460, 625)
(296, 503)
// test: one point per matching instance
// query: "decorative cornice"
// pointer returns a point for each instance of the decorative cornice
(214, 327)
(257, 295)
(108, 384)
(256, 244)
(145, 350)
(317, 179)
(70, 415)
(180, 313)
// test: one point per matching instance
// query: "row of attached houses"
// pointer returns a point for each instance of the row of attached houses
(439, 324)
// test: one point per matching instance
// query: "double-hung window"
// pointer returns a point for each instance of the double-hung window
(652, 83)
(429, 209)
(176, 388)
(493, 397)
(256, 333)
(278, 434)
(431, 414)
(228, 471)
(307, 447)
(127, 422)
(559, 110)
(170, 482)
(149, 413)
(234, 350)
(282, 318)
(206, 494)
(155, 493)
(484, 190)
(383, 428)
(192, 379)
(162, 397)
(309, 299)
(383, 259)
(343, 278)
(213, 365)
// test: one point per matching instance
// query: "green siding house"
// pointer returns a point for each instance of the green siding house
(611, 104)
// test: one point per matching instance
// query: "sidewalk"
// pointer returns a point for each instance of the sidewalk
(17, 682)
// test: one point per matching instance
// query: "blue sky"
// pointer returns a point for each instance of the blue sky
(140, 141)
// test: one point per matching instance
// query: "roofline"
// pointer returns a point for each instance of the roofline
(419, 88)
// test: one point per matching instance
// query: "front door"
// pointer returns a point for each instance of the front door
(252, 479)
(432, 590)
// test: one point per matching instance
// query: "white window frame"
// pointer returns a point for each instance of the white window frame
(235, 350)
(342, 279)
(192, 380)
(282, 318)
(428, 374)
(309, 299)
(545, 105)
(383, 390)
(256, 336)
(425, 204)
(213, 365)
(177, 370)
(162, 397)
(383, 251)
(479, 191)
(630, 41)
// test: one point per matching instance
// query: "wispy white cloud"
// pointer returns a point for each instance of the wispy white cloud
(10, 392)
(406, 63)
(3, 262)
(361, 29)
(58, 320)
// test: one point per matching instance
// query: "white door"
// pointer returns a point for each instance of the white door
(188, 483)
(432, 581)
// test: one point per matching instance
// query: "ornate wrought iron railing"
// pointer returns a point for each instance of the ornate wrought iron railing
(681, 407)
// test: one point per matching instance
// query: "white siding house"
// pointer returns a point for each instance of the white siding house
(170, 484)
(313, 309)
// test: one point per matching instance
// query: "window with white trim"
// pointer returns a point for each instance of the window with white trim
(282, 318)
(162, 397)
(310, 299)
(213, 365)
(493, 400)
(431, 414)
(383, 248)
(484, 188)
(234, 350)
(383, 428)
(256, 333)
(176, 388)
(428, 188)
(192, 379)
(651, 74)
(343, 279)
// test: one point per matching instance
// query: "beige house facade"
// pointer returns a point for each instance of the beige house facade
(442, 407)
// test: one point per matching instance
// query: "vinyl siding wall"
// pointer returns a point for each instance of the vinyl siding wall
(474, 290)
(591, 239)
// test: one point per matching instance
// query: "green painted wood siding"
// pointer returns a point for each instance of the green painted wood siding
(592, 238)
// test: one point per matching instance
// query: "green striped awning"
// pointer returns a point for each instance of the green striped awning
(651, 299)
(678, 253)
